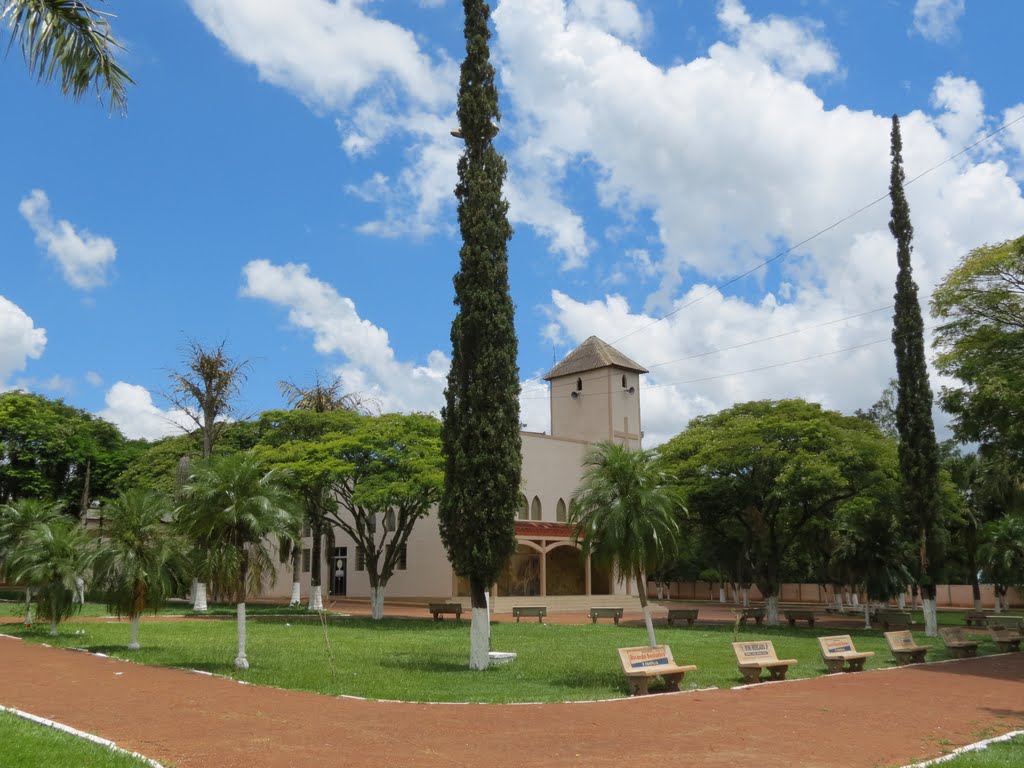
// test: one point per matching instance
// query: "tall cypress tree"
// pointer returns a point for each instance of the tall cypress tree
(480, 436)
(918, 450)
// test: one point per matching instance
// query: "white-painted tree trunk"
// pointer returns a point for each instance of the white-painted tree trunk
(913, 601)
(133, 645)
(867, 616)
(479, 639)
(999, 604)
(977, 603)
(296, 598)
(854, 600)
(377, 603)
(316, 598)
(649, 623)
(838, 595)
(901, 601)
(931, 618)
(721, 593)
(53, 627)
(773, 611)
(745, 592)
(240, 661)
(199, 596)
(79, 596)
(28, 606)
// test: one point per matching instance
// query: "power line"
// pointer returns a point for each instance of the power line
(718, 288)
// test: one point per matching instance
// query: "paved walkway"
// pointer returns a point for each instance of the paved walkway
(866, 720)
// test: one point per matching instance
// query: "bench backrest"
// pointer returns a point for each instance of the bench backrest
(754, 651)
(900, 640)
(953, 634)
(1005, 635)
(644, 656)
(837, 645)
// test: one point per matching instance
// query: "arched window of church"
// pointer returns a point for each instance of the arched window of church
(524, 509)
(535, 508)
(560, 512)
(579, 385)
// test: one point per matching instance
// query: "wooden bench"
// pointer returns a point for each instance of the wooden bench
(605, 613)
(439, 609)
(894, 620)
(1006, 640)
(540, 611)
(904, 649)
(956, 642)
(840, 655)
(976, 619)
(643, 663)
(679, 614)
(793, 615)
(757, 614)
(752, 657)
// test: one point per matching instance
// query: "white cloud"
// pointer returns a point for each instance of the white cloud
(936, 20)
(964, 114)
(57, 383)
(94, 378)
(131, 408)
(84, 258)
(371, 368)
(620, 18)
(327, 52)
(1014, 137)
(20, 340)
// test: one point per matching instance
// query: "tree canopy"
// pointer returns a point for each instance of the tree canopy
(759, 475)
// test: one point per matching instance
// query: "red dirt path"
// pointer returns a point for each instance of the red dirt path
(871, 719)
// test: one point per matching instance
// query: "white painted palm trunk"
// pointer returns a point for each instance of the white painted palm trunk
(479, 639)
(977, 603)
(855, 600)
(867, 616)
(241, 662)
(721, 594)
(745, 592)
(901, 601)
(79, 590)
(316, 598)
(133, 645)
(199, 596)
(650, 626)
(838, 595)
(53, 627)
(296, 598)
(999, 604)
(377, 603)
(773, 611)
(931, 619)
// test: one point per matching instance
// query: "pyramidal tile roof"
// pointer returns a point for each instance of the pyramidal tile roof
(590, 355)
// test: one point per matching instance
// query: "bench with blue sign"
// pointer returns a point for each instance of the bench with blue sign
(753, 656)
(840, 655)
(643, 662)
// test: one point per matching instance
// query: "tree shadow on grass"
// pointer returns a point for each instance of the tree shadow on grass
(426, 664)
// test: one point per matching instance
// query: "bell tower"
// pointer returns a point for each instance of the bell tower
(595, 395)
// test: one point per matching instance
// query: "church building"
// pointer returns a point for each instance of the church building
(594, 395)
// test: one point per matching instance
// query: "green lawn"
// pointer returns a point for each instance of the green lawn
(427, 661)
(28, 745)
(94, 610)
(1006, 754)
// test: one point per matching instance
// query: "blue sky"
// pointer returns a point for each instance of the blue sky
(283, 178)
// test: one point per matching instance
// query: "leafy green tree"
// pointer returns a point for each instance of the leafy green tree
(760, 474)
(918, 449)
(50, 450)
(54, 559)
(231, 509)
(380, 475)
(480, 433)
(140, 561)
(70, 40)
(981, 343)
(16, 521)
(883, 412)
(625, 515)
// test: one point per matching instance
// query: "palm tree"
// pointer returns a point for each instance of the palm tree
(53, 559)
(140, 561)
(70, 40)
(232, 508)
(16, 520)
(1001, 555)
(624, 514)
